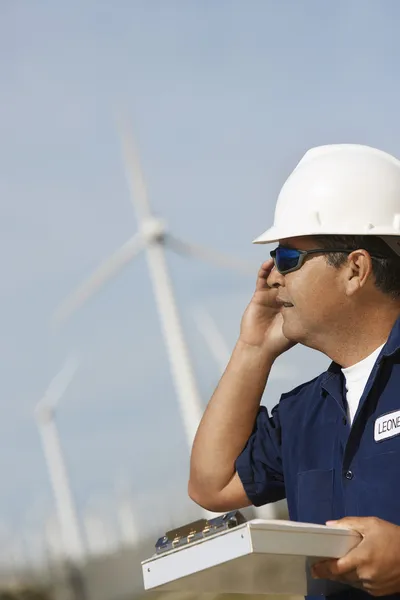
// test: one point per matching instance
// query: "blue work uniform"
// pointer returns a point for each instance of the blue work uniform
(307, 452)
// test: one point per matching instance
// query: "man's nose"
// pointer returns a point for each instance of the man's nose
(275, 279)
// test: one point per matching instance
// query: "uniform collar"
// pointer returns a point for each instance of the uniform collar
(393, 343)
(332, 383)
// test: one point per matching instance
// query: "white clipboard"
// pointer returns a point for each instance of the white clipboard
(257, 557)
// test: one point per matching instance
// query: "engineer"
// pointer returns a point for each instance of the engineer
(331, 446)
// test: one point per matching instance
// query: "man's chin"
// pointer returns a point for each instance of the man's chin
(293, 332)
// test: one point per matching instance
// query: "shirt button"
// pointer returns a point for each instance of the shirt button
(349, 475)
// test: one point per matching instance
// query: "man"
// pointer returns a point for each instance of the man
(332, 445)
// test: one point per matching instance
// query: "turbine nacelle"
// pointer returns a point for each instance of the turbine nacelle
(153, 230)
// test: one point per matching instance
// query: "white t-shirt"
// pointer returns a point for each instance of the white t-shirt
(356, 378)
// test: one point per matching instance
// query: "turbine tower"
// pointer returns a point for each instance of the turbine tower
(70, 532)
(154, 238)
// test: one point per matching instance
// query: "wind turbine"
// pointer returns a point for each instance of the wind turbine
(127, 520)
(69, 529)
(154, 238)
(213, 337)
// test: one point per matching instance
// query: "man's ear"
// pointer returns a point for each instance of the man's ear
(357, 271)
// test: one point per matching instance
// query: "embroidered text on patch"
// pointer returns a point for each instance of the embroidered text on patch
(387, 426)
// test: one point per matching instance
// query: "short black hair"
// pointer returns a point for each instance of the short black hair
(385, 270)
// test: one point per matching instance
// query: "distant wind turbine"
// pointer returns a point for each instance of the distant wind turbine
(213, 337)
(70, 531)
(154, 238)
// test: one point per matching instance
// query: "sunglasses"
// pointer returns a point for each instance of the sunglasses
(287, 260)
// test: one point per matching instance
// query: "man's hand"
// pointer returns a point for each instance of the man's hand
(374, 565)
(262, 320)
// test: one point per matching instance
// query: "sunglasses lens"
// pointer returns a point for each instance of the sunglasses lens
(286, 259)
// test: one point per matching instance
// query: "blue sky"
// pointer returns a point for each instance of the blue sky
(224, 98)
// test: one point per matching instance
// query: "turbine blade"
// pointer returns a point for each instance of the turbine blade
(98, 279)
(134, 173)
(212, 256)
(58, 385)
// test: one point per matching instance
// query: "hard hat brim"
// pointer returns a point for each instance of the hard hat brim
(274, 234)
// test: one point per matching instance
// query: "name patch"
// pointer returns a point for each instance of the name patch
(387, 426)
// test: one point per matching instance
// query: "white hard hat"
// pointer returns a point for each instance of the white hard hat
(341, 189)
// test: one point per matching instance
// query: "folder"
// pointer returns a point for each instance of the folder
(229, 555)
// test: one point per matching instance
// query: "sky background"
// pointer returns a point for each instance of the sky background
(224, 98)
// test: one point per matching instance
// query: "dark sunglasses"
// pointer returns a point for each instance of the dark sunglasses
(287, 260)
